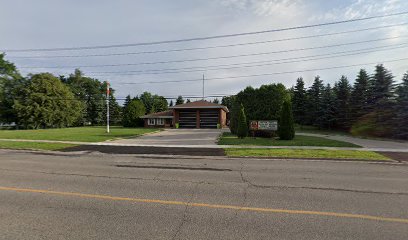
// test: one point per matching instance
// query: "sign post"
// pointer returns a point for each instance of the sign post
(263, 127)
(271, 125)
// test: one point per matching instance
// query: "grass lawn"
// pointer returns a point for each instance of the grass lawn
(34, 145)
(80, 134)
(313, 129)
(230, 139)
(304, 153)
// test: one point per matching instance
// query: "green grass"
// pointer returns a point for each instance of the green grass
(34, 145)
(304, 153)
(80, 134)
(230, 139)
(313, 129)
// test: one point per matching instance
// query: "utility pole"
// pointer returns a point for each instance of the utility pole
(107, 106)
(203, 86)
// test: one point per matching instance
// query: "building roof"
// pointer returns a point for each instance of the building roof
(165, 114)
(201, 104)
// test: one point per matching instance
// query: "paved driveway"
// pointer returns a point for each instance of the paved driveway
(177, 137)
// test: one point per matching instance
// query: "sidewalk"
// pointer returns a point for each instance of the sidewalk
(365, 143)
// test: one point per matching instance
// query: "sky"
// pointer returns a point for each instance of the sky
(77, 23)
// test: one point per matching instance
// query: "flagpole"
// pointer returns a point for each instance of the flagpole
(107, 107)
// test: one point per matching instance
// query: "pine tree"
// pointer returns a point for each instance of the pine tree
(234, 112)
(127, 101)
(299, 102)
(242, 130)
(359, 96)
(179, 100)
(378, 121)
(216, 101)
(342, 92)
(171, 103)
(314, 95)
(286, 129)
(381, 88)
(401, 118)
(327, 113)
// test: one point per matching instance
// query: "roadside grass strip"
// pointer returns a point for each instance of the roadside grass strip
(80, 134)
(305, 153)
(34, 145)
(211, 206)
(231, 139)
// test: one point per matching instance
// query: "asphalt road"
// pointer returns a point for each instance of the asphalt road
(102, 196)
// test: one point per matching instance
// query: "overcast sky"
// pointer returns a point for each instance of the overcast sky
(75, 23)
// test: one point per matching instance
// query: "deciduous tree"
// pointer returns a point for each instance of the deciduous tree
(46, 102)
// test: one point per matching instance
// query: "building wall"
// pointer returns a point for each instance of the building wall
(223, 118)
(167, 123)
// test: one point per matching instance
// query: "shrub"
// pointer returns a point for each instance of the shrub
(242, 130)
(286, 128)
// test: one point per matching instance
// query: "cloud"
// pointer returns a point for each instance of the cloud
(360, 9)
(265, 7)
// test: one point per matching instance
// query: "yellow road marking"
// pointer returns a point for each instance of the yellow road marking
(206, 205)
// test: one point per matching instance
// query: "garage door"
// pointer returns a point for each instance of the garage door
(209, 118)
(187, 119)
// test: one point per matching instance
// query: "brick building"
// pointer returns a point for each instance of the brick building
(199, 114)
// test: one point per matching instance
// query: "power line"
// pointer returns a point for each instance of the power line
(208, 47)
(209, 37)
(185, 60)
(241, 65)
(263, 74)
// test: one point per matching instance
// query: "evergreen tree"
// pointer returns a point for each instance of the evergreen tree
(286, 129)
(115, 110)
(299, 101)
(128, 99)
(234, 112)
(327, 113)
(242, 130)
(381, 90)
(92, 93)
(401, 109)
(179, 100)
(171, 103)
(379, 121)
(359, 96)
(342, 90)
(314, 96)
(216, 101)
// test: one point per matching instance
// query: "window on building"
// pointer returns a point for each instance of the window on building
(160, 121)
(151, 121)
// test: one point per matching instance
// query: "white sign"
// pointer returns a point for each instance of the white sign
(264, 125)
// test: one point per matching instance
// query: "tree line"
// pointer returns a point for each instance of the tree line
(43, 100)
(373, 106)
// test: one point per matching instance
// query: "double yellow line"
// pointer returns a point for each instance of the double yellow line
(206, 205)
